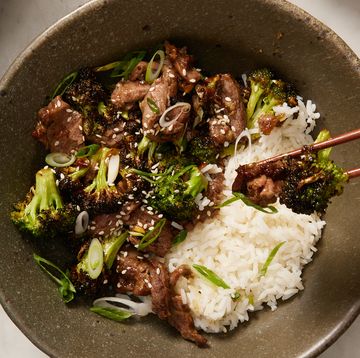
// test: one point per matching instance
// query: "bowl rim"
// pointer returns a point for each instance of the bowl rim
(286, 6)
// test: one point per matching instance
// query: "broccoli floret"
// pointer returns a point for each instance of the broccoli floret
(312, 181)
(175, 192)
(203, 150)
(99, 195)
(43, 212)
(260, 81)
(275, 96)
(147, 146)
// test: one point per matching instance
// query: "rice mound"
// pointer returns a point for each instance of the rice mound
(237, 241)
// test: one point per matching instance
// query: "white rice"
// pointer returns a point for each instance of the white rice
(236, 243)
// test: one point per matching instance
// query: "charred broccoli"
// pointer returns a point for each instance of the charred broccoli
(99, 195)
(265, 93)
(147, 146)
(175, 191)
(313, 181)
(43, 212)
(260, 81)
(203, 150)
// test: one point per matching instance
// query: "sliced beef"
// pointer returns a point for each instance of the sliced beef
(138, 73)
(160, 289)
(132, 272)
(182, 63)
(155, 103)
(111, 136)
(262, 183)
(267, 122)
(230, 120)
(127, 93)
(142, 219)
(59, 127)
(263, 190)
(180, 316)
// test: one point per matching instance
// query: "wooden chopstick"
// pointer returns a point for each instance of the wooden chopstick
(353, 173)
(332, 142)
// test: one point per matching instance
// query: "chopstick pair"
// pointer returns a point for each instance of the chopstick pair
(332, 142)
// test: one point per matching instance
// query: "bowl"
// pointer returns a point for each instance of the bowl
(225, 35)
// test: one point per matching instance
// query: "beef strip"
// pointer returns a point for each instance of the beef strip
(138, 73)
(132, 272)
(267, 122)
(160, 289)
(161, 92)
(262, 183)
(182, 63)
(59, 127)
(142, 219)
(127, 93)
(180, 315)
(230, 120)
(263, 190)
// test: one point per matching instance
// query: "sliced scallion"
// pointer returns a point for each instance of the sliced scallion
(271, 256)
(66, 288)
(240, 196)
(151, 76)
(152, 235)
(111, 247)
(127, 65)
(153, 106)
(60, 160)
(180, 237)
(211, 276)
(87, 151)
(111, 313)
(95, 259)
(64, 84)
(81, 223)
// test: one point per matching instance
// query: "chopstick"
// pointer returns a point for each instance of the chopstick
(353, 173)
(332, 142)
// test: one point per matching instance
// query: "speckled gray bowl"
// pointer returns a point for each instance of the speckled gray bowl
(225, 36)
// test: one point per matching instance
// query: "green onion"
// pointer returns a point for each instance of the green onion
(111, 248)
(180, 237)
(95, 259)
(109, 66)
(63, 85)
(236, 296)
(66, 288)
(60, 160)
(87, 151)
(240, 196)
(151, 235)
(153, 105)
(151, 76)
(211, 276)
(127, 65)
(111, 313)
(271, 256)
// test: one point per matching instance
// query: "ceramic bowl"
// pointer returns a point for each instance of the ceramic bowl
(224, 35)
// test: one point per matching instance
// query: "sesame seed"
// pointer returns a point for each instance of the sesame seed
(226, 144)
(140, 258)
(105, 282)
(158, 271)
(227, 99)
(222, 131)
(171, 75)
(81, 128)
(151, 88)
(118, 285)
(193, 80)
(77, 207)
(125, 254)
(57, 143)
(101, 232)
(92, 228)
(184, 72)
(208, 213)
(68, 120)
(58, 103)
(98, 135)
(123, 272)
(68, 110)
(149, 285)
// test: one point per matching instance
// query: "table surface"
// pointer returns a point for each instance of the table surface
(26, 19)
